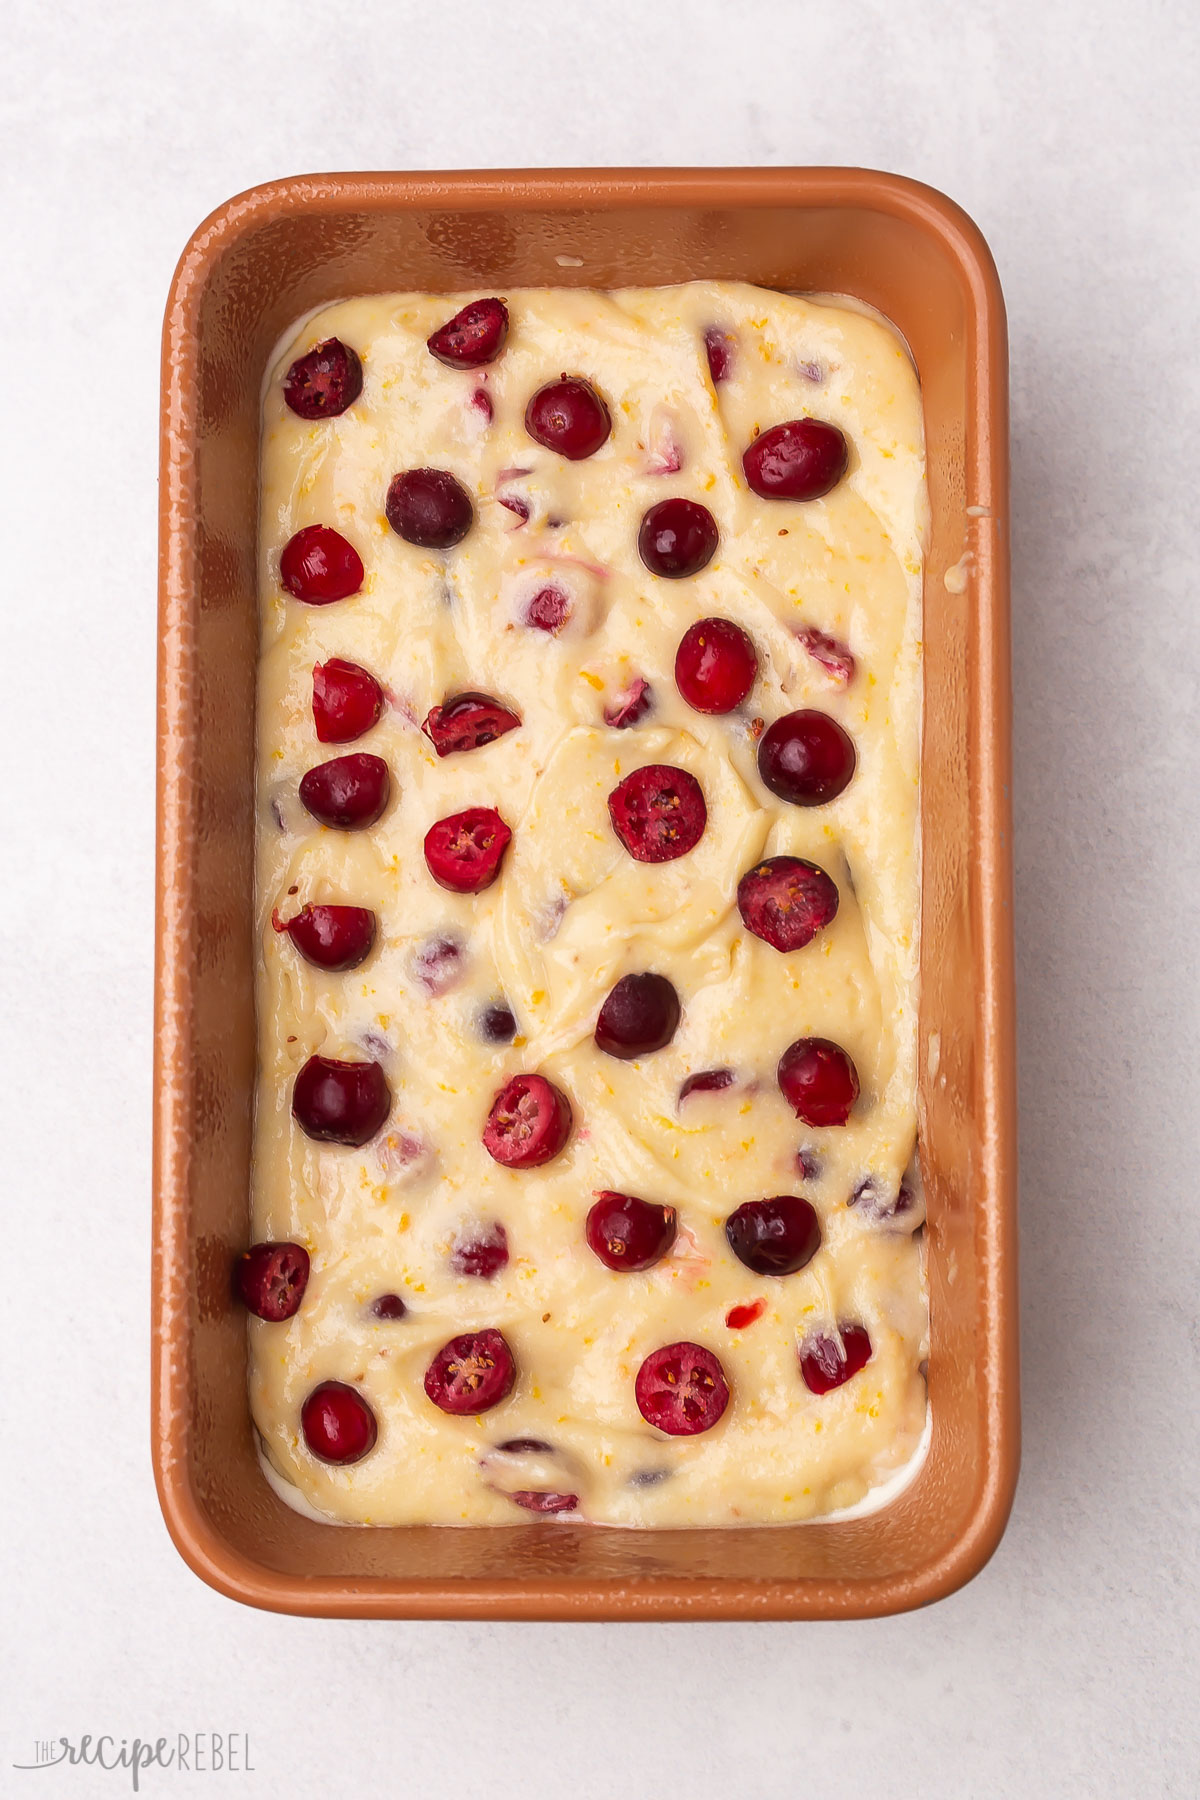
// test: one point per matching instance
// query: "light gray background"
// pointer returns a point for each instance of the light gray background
(1061, 1671)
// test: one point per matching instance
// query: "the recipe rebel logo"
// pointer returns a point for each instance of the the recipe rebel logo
(199, 1753)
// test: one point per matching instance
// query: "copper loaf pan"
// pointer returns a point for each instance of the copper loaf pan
(253, 268)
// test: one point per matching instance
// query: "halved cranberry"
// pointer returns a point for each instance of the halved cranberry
(340, 1102)
(799, 460)
(705, 1081)
(389, 1307)
(331, 937)
(681, 1389)
(568, 416)
(785, 901)
(631, 706)
(338, 1425)
(677, 538)
(468, 722)
(715, 665)
(482, 1253)
(474, 336)
(640, 1015)
(806, 758)
(471, 1373)
(719, 347)
(740, 1318)
(529, 1123)
(430, 508)
(535, 1502)
(347, 700)
(325, 381)
(776, 1236)
(818, 1081)
(497, 1024)
(627, 1233)
(347, 793)
(836, 658)
(825, 1364)
(318, 565)
(658, 813)
(464, 852)
(271, 1279)
(549, 610)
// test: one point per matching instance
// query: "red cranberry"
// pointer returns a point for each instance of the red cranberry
(514, 503)
(800, 460)
(677, 538)
(323, 383)
(806, 758)
(706, 1081)
(549, 610)
(481, 400)
(658, 813)
(785, 901)
(389, 1307)
(471, 1373)
(719, 347)
(318, 565)
(271, 1279)
(474, 336)
(331, 937)
(835, 658)
(347, 793)
(468, 722)
(484, 1253)
(497, 1024)
(825, 1364)
(430, 508)
(715, 665)
(774, 1237)
(681, 1389)
(340, 1102)
(346, 701)
(529, 1123)
(818, 1081)
(740, 1318)
(632, 706)
(627, 1233)
(464, 852)
(640, 1015)
(535, 1502)
(338, 1425)
(568, 416)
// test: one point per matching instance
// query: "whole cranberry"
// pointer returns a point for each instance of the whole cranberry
(474, 336)
(640, 1015)
(705, 1081)
(464, 852)
(715, 665)
(774, 1237)
(681, 1389)
(340, 1102)
(338, 1425)
(429, 508)
(549, 610)
(627, 1233)
(677, 538)
(719, 347)
(818, 1081)
(799, 460)
(331, 937)
(826, 1364)
(658, 813)
(468, 722)
(318, 565)
(471, 1373)
(806, 758)
(324, 382)
(271, 1279)
(482, 1253)
(497, 1024)
(388, 1307)
(529, 1123)
(836, 658)
(568, 416)
(631, 707)
(347, 700)
(785, 901)
(349, 792)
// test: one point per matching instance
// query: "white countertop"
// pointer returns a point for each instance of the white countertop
(1063, 1669)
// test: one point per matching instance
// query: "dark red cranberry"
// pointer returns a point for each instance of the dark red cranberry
(800, 460)
(338, 1425)
(640, 1015)
(715, 665)
(340, 1102)
(825, 1364)
(271, 1279)
(474, 336)
(739, 1318)
(875, 1201)
(549, 610)
(529, 1123)
(438, 964)
(514, 503)
(468, 722)
(806, 758)
(785, 901)
(681, 1389)
(835, 658)
(568, 416)
(535, 1502)
(677, 538)
(631, 707)
(774, 1237)
(482, 1253)
(526, 1447)
(430, 508)
(347, 700)
(464, 852)
(481, 400)
(719, 347)
(389, 1307)
(324, 382)
(627, 1233)
(471, 1373)
(318, 566)
(706, 1081)
(809, 1164)
(818, 1081)
(349, 792)
(331, 937)
(658, 813)
(497, 1024)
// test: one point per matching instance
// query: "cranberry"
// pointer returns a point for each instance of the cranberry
(805, 757)
(529, 1123)
(719, 347)
(471, 1373)
(484, 1253)
(681, 1389)
(346, 701)
(677, 538)
(468, 722)
(271, 1279)
(800, 460)
(627, 1233)
(836, 658)
(338, 1425)
(715, 665)
(474, 336)
(658, 813)
(464, 852)
(549, 610)
(877, 1203)
(389, 1307)
(481, 400)
(825, 1364)
(347, 793)
(515, 504)
(331, 937)
(809, 1164)
(323, 383)
(536, 1502)
(631, 707)
(526, 1447)
(568, 416)
(706, 1081)
(497, 1024)
(437, 964)
(774, 1237)
(340, 1102)
(318, 565)
(785, 901)
(818, 1081)
(740, 1318)
(430, 508)
(640, 1015)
